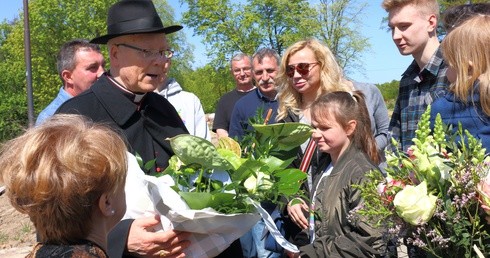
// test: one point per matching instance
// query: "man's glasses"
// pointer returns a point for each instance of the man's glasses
(302, 68)
(150, 54)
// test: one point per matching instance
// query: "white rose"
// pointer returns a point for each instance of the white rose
(414, 205)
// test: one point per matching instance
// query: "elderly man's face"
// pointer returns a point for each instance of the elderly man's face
(139, 61)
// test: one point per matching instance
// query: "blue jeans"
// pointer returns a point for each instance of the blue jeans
(253, 243)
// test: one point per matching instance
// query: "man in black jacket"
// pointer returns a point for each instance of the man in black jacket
(124, 98)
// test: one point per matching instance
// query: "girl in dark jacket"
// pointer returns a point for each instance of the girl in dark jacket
(343, 132)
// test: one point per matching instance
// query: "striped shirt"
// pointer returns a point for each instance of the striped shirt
(417, 90)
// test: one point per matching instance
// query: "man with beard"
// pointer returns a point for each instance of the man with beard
(264, 69)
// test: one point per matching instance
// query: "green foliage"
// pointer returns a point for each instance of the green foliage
(338, 24)
(209, 84)
(52, 23)
(389, 90)
(453, 167)
(230, 26)
(227, 26)
(13, 115)
(192, 149)
(259, 175)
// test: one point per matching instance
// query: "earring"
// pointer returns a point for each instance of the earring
(112, 212)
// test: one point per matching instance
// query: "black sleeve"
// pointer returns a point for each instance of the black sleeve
(118, 238)
(220, 116)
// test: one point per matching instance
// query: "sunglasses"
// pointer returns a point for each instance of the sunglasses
(302, 68)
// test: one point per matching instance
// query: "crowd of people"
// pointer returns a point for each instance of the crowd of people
(68, 172)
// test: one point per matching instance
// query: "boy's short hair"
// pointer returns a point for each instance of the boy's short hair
(426, 6)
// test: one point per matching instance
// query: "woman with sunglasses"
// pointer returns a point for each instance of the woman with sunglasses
(308, 70)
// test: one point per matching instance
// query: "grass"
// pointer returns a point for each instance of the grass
(25, 231)
(3, 238)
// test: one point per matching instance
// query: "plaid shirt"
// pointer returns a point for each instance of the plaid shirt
(417, 90)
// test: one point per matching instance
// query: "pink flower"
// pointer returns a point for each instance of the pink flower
(483, 189)
(388, 190)
(395, 183)
(410, 153)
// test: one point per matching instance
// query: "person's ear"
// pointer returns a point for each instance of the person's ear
(106, 205)
(113, 53)
(351, 127)
(432, 19)
(470, 68)
(66, 75)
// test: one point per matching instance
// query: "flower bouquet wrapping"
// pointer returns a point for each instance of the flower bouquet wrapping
(436, 195)
(215, 191)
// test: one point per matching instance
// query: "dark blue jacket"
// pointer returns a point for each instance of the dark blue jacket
(246, 108)
(470, 115)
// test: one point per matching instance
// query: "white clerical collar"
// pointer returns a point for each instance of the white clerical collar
(135, 97)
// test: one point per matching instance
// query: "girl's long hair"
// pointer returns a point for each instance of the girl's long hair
(347, 106)
(470, 42)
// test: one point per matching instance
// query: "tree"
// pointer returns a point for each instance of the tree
(229, 27)
(53, 22)
(339, 22)
(208, 83)
(281, 22)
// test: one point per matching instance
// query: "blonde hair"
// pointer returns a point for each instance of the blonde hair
(56, 173)
(425, 6)
(344, 107)
(331, 77)
(470, 42)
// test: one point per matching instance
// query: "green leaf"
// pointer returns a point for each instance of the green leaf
(201, 200)
(246, 169)
(283, 136)
(192, 149)
(230, 155)
(150, 164)
(289, 181)
(274, 163)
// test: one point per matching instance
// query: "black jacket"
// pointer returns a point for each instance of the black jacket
(146, 125)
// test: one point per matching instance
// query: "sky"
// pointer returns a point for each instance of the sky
(383, 63)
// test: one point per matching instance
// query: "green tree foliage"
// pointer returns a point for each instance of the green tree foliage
(281, 22)
(53, 22)
(389, 90)
(13, 115)
(244, 26)
(209, 84)
(230, 26)
(338, 26)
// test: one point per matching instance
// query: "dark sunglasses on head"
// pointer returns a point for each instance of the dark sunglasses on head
(302, 68)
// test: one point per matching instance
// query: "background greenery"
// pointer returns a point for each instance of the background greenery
(227, 27)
